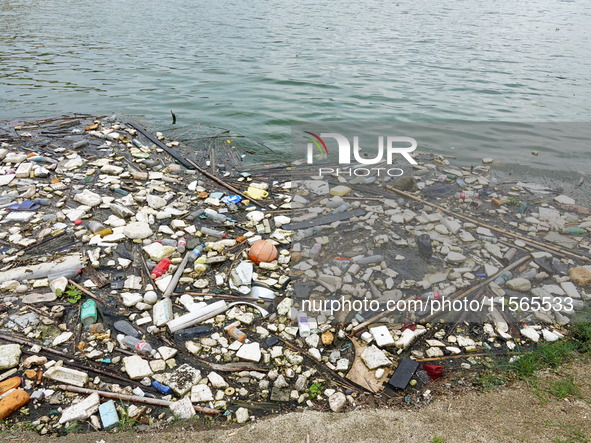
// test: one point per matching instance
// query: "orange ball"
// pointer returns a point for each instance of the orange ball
(262, 251)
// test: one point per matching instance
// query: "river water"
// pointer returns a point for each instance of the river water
(256, 66)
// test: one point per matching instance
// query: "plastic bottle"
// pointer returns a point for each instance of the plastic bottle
(139, 346)
(215, 216)
(213, 232)
(161, 268)
(530, 274)
(236, 334)
(42, 201)
(181, 245)
(193, 215)
(190, 257)
(162, 388)
(574, 231)
(509, 255)
(466, 195)
(342, 208)
(197, 331)
(168, 242)
(88, 313)
(98, 228)
(432, 295)
(126, 328)
(503, 278)
(41, 159)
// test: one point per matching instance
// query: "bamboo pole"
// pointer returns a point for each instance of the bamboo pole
(531, 242)
(86, 291)
(134, 398)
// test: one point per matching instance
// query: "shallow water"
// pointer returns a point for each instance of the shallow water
(257, 66)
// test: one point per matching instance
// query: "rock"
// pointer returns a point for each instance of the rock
(530, 333)
(315, 353)
(137, 230)
(201, 393)
(407, 337)
(340, 190)
(242, 415)
(131, 298)
(62, 338)
(434, 352)
(58, 284)
(455, 257)
(337, 401)
(216, 380)
(88, 198)
(183, 378)
(374, 358)
(167, 352)
(39, 298)
(183, 409)
(580, 276)
(327, 338)
(487, 161)
(570, 289)
(155, 202)
(565, 200)
(66, 375)
(82, 410)
(549, 336)
(519, 284)
(342, 364)
(136, 367)
(284, 307)
(250, 352)
(280, 382)
(9, 356)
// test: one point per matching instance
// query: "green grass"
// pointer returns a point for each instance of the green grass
(490, 380)
(543, 356)
(564, 388)
(437, 440)
(571, 435)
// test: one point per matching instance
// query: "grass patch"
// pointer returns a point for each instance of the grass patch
(437, 440)
(569, 434)
(544, 356)
(490, 380)
(564, 388)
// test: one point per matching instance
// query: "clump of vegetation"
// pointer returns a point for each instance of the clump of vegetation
(315, 390)
(72, 294)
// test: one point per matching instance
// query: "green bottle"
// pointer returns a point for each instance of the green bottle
(88, 313)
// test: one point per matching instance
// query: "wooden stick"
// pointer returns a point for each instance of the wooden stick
(482, 354)
(134, 398)
(87, 292)
(492, 228)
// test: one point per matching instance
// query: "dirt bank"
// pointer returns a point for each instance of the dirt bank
(522, 412)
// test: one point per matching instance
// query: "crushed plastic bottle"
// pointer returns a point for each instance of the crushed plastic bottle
(141, 347)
